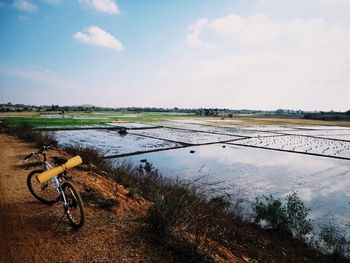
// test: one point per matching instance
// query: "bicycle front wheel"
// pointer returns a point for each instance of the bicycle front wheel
(45, 193)
(75, 208)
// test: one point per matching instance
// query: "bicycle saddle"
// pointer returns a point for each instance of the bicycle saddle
(57, 160)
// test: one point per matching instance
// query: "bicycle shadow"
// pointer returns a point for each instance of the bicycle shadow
(29, 165)
(45, 218)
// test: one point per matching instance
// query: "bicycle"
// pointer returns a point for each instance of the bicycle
(57, 188)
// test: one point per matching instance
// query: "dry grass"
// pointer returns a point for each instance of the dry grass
(18, 114)
(251, 120)
(286, 121)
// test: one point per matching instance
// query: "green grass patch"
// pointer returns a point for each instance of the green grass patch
(37, 122)
(90, 119)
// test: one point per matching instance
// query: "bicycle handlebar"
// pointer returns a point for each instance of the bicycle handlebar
(28, 156)
(45, 147)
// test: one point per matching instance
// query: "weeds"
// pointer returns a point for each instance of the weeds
(221, 201)
(25, 132)
(179, 219)
(91, 196)
(132, 192)
(90, 157)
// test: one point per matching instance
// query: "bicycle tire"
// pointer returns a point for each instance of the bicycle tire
(75, 211)
(45, 193)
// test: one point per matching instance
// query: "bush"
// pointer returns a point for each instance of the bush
(178, 217)
(289, 218)
(332, 241)
(221, 201)
(90, 156)
(297, 213)
(271, 212)
(26, 133)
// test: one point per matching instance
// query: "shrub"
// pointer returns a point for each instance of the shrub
(132, 192)
(297, 213)
(178, 217)
(90, 156)
(331, 240)
(289, 218)
(221, 201)
(271, 212)
(26, 133)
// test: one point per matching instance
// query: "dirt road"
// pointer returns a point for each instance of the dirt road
(29, 230)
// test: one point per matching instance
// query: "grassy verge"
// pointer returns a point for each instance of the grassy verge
(187, 223)
(25, 132)
(254, 121)
(47, 122)
(83, 119)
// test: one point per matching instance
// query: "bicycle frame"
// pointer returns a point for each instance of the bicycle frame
(55, 181)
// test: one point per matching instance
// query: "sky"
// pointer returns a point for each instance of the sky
(237, 54)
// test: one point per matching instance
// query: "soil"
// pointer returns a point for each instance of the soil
(32, 232)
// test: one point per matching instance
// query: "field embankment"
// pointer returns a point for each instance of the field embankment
(29, 230)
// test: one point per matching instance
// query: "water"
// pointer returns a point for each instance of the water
(52, 116)
(110, 142)
(322, 183)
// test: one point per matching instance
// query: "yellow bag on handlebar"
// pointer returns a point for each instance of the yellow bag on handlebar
(45, 176)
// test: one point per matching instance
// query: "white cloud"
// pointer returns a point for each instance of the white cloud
(260, 62)
(259, 31)
(104, 6)
(333, 2)
(95, 36)
(165, 73)
(194, 35)
(24, 5)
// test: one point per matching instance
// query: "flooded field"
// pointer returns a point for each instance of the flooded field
(129, 125)
(184, 136)
(322, 183)
(51, 116)
(304, 144)
(110, 142)
(249, 160)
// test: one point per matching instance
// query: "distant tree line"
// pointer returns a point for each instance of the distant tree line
(213, 112)
(329, 116)
(210, 112)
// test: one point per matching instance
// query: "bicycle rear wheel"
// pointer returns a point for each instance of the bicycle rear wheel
(45, 193)
(75, 210)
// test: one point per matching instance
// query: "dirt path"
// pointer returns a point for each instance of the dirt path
(29, 230)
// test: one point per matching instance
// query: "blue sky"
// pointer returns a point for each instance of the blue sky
(261, 54)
